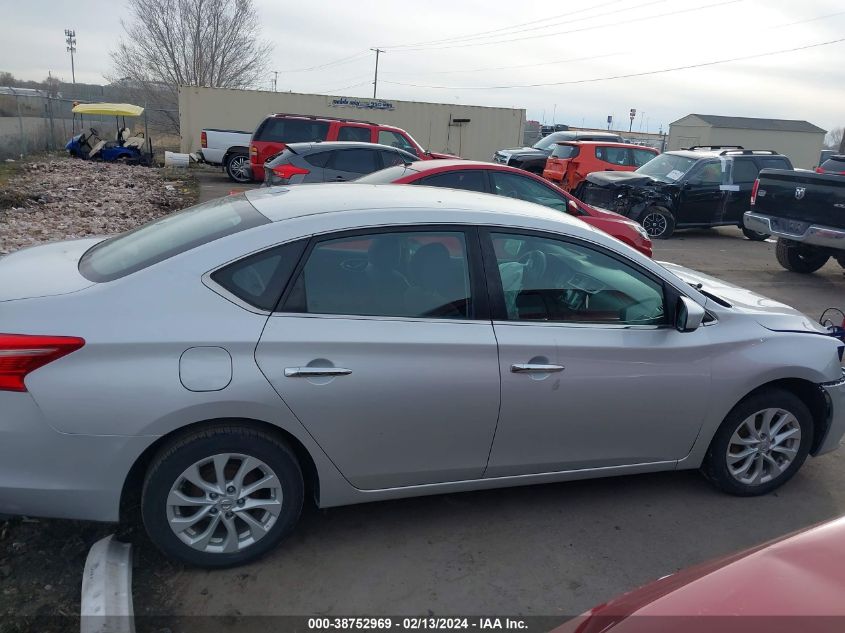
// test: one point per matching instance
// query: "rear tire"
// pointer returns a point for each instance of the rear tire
(798, 258)
(754, 236)
(746, 442)
(236, 168)
(658, 222)
(193, 516)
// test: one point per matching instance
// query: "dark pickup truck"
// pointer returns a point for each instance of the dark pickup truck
(805, 211)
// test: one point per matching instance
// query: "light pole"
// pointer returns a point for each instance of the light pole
(70, 40)
(375, 78)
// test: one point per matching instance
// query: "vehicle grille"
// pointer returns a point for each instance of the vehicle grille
(498, 158)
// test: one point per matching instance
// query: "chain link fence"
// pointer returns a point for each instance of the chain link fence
(33, 120)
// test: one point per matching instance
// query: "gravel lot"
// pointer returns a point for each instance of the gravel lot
(64, 198)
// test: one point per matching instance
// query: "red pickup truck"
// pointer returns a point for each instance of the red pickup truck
(274, 132)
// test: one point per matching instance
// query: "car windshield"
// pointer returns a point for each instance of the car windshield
(546, 142)
(386, 176)
(667, 167)
(173, 234)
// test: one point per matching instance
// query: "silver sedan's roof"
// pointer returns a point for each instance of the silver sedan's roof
(281, 203)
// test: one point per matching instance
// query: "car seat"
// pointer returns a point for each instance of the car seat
(387, 284)
(433, 282)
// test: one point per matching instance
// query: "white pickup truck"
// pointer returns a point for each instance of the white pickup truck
(229, 149)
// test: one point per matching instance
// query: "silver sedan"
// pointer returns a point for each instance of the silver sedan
(363, 342)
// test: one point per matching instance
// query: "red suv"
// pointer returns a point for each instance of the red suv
(277, 130)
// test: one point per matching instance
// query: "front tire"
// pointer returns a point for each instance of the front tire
(761, 444)
(237, 168)
(658, 222)
(799, 258)
(754, 236)
(222, 496)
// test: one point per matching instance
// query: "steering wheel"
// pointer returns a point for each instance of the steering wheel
(535, 266)
(93, 131)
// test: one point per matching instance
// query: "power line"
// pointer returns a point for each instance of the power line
(342, 60)
(578, 30)
(592, 57)
(626, 76)
(490, 33)
(531, 65)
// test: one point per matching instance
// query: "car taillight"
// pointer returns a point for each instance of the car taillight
(21, 354)
(204, 140)
(253, 151)
(288, 171)
(754, 192)
(819, 170)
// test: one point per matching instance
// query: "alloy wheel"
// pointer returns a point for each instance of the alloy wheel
(655, 224)
(224, 503)
(763, 446)
(238, 168)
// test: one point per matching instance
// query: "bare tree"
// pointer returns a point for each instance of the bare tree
(168, 43)
(835, 139)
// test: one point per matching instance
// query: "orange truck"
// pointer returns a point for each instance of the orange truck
(571, 161)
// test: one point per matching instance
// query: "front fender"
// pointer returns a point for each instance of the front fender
(742, 365)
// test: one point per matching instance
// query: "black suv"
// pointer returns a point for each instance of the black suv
(533, 158)
(696, 187)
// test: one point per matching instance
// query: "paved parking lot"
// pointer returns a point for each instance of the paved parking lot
(543, 550)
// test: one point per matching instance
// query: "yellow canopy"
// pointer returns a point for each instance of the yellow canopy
(113, 109)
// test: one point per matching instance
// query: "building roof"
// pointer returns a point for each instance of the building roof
(749, 123)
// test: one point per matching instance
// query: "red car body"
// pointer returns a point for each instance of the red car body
(275, 131)
(794, 583)
(421, 173)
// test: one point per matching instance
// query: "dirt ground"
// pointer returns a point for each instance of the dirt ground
(58, 198)
(55, 198)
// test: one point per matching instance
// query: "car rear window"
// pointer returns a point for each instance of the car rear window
(318, 159)
(280, 130)
(565, 151)
(835, 163)
(171, 235)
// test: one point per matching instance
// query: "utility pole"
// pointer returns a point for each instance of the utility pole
(275, 80)
(375, 79)
(632, 116)
(70, 40)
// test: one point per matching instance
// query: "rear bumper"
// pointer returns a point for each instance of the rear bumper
(835, 394)
(45, 473)
(813, 234)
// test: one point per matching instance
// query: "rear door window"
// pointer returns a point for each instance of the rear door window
(408, 274)
(281, 130)
(525, 188)
(613, 155)
(354, 133)
(468, 179)
(356, 161)
(745, 171)
(169, 236)
(391, 159)
(318, 159)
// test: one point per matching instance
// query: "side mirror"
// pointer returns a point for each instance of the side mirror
(688, 315)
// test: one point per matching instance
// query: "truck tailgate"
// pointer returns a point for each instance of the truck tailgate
(800, 198)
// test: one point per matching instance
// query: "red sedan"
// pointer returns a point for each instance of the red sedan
(508, 181)
(794, 583)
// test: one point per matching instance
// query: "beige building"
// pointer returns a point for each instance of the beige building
(799, 140)
(474, 132)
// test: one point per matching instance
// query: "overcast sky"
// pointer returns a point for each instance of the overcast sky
(465, 51)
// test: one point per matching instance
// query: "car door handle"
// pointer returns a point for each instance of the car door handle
(523, 368)
(311, 372)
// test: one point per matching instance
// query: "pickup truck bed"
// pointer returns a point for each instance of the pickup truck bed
(805, 211)
(229, 149)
